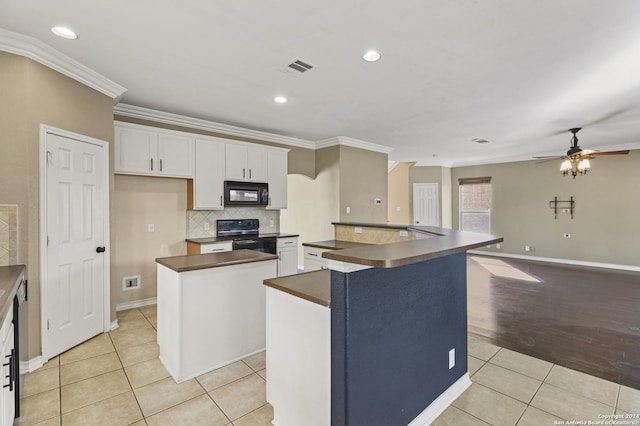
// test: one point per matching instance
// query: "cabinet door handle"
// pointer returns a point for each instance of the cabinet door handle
(152, 164)
(313, 254)
(243, 174)
(161, 164)
(249, 173)
(269, 199)
(221, 201)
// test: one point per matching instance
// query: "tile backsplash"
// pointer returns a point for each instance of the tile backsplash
(8, 234)
(196, 220)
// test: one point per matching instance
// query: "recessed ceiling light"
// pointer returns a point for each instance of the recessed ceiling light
(64, 32)
(280, 100)
(371, 56)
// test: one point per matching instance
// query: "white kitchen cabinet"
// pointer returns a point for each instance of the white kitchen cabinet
(135, 150)
(144, 150)
(209, 318)
(287, 249)
(7, 394)
(298, 360)
(175, 155)
(246, 163)
(208, 182)
(313, 259)
(277, 173)
(216, 247)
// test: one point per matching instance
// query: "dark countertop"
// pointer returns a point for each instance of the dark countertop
(313, 286)
(335, 244)
(212, 240)
(9, 284)
(213, 260)
(448, 241)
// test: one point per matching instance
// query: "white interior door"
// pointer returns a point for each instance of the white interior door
(425, 204)
(75, 279)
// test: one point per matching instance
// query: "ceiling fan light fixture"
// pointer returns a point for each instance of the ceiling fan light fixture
(584, 166)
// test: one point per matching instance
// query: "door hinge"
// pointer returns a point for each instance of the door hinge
(47, 324)
(48, 241)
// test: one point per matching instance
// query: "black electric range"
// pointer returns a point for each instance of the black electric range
(245, 235)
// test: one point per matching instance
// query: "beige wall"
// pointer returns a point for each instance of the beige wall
(363, 177)
(345, 177)
(604, 228)
(399, 194)
(33, 94)
(301, 160)
(140, 201)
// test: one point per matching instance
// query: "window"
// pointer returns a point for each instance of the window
(475, 204)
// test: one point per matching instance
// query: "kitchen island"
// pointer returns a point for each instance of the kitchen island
(211, 309)
(394, 333)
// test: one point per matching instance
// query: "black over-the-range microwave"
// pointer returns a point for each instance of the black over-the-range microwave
(246, 193)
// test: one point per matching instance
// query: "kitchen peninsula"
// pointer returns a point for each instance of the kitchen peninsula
(389, 347)
(211, 309)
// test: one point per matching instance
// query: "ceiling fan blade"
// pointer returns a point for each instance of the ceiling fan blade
(599, 154)
(598, 120)
(548, 156)
(546, 160)
(606, 117)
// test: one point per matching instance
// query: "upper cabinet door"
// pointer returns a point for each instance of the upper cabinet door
(236, 162)
(277, 180)
(257, 164)
(175, 155)
(209, 178)
(135, 151)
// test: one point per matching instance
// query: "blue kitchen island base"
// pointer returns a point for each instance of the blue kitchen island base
(392, 332)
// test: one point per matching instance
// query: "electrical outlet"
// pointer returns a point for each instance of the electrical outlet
(398, 208)
(348, 209)
(498, 245)
(131, 283)
(452, 358)
(207, 226)
(527, 248)
(358, 230)
(151, 227)
(404, 233)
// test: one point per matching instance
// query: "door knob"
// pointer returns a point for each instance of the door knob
(100, 249)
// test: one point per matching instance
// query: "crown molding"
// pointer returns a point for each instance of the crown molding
(354, 143)
(211, 126)
(38, 51)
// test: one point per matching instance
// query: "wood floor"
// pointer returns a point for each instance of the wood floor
(587, 319)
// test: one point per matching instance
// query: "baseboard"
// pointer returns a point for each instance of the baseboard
(136, 304)
(555, 260)
(442, 402)
(31, 365)
(114, 325)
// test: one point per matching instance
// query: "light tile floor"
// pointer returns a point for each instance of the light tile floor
(117, 379)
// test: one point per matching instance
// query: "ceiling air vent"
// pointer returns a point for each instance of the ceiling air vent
(298, 67)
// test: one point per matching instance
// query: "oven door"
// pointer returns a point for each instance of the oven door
(248, 244)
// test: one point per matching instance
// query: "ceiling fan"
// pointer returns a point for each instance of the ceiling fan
(577, 159)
